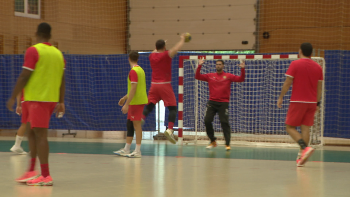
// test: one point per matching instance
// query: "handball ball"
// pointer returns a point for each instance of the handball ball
(188, 37)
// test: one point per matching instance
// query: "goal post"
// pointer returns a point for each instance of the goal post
(253, 114)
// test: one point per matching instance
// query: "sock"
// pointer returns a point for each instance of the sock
(18, 141)
(45, 170)
(127, 147)
(302, 144)
(170, 125)
(32, 164)
(138, 148)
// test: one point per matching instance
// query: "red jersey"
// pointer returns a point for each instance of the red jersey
(133, 76)
(161, 67)
(305, 73)
(219, 83)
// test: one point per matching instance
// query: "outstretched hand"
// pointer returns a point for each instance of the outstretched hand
(182, 36)
(242, 64)
(201, 61)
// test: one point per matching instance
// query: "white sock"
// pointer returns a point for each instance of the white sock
(127, 147)
(138, 148)
(18, 141)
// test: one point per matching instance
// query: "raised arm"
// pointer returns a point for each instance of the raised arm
(198, 75)
(240, 78)
(173, 51)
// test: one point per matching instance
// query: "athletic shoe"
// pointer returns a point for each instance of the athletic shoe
(134, 155)
(212, 145)
(41, 181)
(299, 154)
(121, 152)
(299, 165)
(298, 158)
(28, 176)
(18, 150)
(228, 148)
(170, 136)
(305, 155)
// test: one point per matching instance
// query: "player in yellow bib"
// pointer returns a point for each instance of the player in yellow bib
(134, 102)
(42, 79)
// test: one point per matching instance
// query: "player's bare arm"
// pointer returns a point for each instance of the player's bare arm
(173, 51)
(287, 83)
(130, 97)
(21, 82)
(122, 100)
(19, 107)
(60, 108)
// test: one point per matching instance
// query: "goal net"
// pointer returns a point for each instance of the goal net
(254, 116)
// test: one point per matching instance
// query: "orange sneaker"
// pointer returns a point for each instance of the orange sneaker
(212, 145)
(41, 181)
(228, 148)
(28, 176)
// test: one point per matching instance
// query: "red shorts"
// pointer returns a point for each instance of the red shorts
(24, 116)
(38, 114)
(301, 114)
(163, 92)
(135, 112)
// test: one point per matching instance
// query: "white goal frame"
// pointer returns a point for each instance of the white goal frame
(239, 57)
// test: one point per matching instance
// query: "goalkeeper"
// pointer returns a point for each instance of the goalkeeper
(219, 96)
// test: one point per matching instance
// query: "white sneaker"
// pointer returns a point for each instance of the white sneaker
(121, 152)
(170, 136)
(134, 155)
(18, 150)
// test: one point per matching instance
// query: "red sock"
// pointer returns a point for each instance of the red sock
(45, 170)
(170, 125)
(32, 164)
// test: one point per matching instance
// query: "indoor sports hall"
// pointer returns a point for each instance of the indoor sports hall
(96, 38)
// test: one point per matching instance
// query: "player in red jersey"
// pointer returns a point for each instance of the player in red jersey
(161, 83)
(306, 77)
(219, 97)
(42, 79)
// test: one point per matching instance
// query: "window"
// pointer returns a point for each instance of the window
(27, 8)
